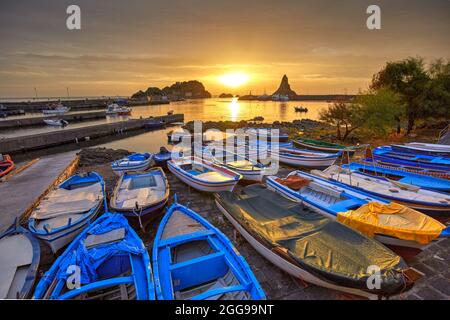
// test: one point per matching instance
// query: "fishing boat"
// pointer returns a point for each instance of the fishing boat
(306, 158)
(389, 223)
(162, 157)
(170, 112)
(112, 261)
(300, 109)
(19, 261)
(134, 162)
(250, 170)
(415, 179)
(267, 134)
(6, 165)
(369, 160)
(56, 109)
(432, 149)
(319, 145)
(56, 122)
(310, 246)
(139, 195)
(387, 154)
(67, 210)
(203, 175)
(115, 109)
(193, 260)
(431, 202)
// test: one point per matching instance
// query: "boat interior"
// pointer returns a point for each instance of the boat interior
(198, 263)
(204, 173)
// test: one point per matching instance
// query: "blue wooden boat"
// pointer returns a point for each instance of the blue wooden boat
(193, 260)
(134, 162)
(386, 154)
(415, 179)
(330, 199)
(139, 195)
(432, 149)
(65, 211)
(162, 157)
(112, 261)
(19, 261)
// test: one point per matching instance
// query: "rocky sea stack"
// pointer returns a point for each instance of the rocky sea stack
(180, 90)
(285, 89)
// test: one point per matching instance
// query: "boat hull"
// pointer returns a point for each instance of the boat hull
(303, 145)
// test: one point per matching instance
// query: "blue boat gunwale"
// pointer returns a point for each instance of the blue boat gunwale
(235, 177)
(34, 265)
(43, 287)
(244, 268)
(88, 215)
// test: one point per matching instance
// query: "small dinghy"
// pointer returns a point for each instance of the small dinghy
(134, 162)
(431, 202)
(65, 211)
(154, 124)
(432, 149)
(305, 158)
(310, 246)
(389, 223)
(203, 175)
(19, 261)
(387, 154)
(56, 123)
(415, 179)
(6, 165)
(140, 195)
(250, 170)
(319, 145)
(193, 260)
(162, 157)
(112, 261)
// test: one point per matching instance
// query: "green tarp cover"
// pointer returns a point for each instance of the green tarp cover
(323, 247)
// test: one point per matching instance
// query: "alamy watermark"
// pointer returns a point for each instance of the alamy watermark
(73, 21)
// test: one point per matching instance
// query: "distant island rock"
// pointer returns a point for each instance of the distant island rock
(180, 90)
(285, 89)
(226, 95)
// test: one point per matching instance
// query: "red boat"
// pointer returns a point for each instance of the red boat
(6, 165)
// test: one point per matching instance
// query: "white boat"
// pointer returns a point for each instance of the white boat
(67, 210)
(306, 158)
(407, 228)
(203, 175)
(423, 148)
(431, 202)
(134, 162)
(56, 122)
(58, 109)
(250, 170)
(115, 109)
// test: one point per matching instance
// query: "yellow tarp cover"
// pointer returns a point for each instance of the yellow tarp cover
(394, 220)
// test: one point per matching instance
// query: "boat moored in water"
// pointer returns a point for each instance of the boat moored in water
(67, 210)
(116, 109)
(56, 122)
(310, 246)
(134, 162)
(56, 109)
(19, 261)
(203, 175)
(113, 265)
(193, 260)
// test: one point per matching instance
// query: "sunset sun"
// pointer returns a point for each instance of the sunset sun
(234, 80)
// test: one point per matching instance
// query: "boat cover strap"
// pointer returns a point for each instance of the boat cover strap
(394, 220)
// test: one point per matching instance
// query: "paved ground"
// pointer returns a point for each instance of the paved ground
(22, 190)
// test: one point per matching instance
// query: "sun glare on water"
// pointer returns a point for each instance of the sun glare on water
(234, 80)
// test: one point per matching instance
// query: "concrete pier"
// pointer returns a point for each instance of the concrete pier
(21, 192)
(37, 121)
(55, 138)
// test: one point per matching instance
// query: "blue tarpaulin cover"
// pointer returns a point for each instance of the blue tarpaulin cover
(88, 260)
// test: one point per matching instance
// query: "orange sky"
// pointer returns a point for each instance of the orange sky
(323, 46)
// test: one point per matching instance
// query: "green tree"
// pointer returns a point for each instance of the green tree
(411, 81)
(437, 95)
